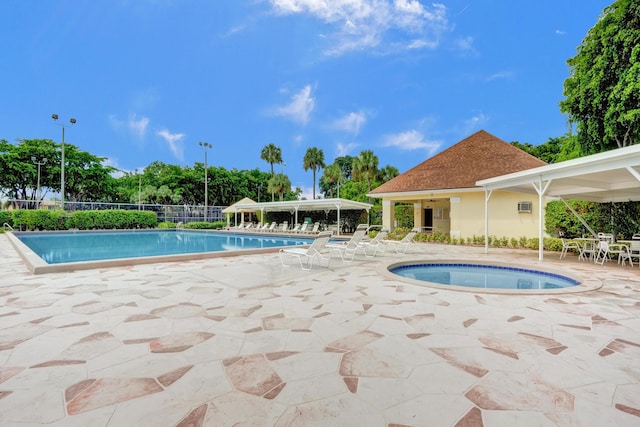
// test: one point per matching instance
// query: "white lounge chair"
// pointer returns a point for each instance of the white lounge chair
(271, 227)
(283, 227)
(303, 228)
(306, 256)
(347, 250)
(376, 244)
(315, 229)
(401, 246)
(295, 229)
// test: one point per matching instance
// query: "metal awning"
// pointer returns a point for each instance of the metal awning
(611, 176)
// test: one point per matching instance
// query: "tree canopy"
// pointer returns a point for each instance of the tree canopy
(603, 89)
(86, 178)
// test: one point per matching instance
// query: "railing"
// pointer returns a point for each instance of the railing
(5, 225)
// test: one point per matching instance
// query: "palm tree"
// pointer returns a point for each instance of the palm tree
(271, 154)
(313, 159)
(365, 168)
(387, 173)
(332, 174)
(279, 183)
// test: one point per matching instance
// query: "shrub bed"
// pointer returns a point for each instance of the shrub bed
(42, 219)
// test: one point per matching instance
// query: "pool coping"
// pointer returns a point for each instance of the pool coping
(587, 283)
(37, 265)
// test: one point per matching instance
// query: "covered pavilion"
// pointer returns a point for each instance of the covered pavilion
(235, 209)
(295, 206)
(611, 176)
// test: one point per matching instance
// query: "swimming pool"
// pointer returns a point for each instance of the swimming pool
(90, 246)
(117, 247)
(483, 276)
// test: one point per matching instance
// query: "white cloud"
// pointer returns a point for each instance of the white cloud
(500, 75)
(561, 33)
(300, 107)
(135, 126)
(351, 123)
(138, 126)
(475, 122)
(364, 24)
(465, 46)
(174, 141)
(345, 149)
(411, 140)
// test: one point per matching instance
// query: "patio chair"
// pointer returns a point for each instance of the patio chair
(295, 229)
(569, 245)
(315, 229)
(303, 228)
(377, 243)
(306, 256)
(283, 227)
(270, 228)
(347, 250)
(401, 246)
(634, 250)
(607, 250)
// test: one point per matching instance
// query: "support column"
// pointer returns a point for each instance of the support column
(388, 214)
(418, 220)
(487, 196)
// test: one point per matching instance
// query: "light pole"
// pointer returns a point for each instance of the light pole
(205, 145)
(139, 189)
(73, 122)
(39, 163)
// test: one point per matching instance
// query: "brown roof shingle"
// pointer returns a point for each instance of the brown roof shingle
(476, 157)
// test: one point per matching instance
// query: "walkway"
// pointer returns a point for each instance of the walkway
(242, 341)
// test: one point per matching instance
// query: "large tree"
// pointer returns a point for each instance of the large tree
(279, 183)
(365, 168)
(86, 178)
(314, 160)
(331, 177)
(603, 90)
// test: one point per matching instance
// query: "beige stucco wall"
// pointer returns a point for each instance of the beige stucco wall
(504, 219)
(466, 213)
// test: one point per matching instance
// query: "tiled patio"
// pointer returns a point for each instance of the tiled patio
(242, 341)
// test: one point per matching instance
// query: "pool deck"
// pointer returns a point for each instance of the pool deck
(242, 341)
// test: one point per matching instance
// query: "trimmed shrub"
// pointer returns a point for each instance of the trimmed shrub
(6, 217)
(42, 219)
(201, 225)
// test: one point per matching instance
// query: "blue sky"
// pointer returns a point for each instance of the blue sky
(148, 79)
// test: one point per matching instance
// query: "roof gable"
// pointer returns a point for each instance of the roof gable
(479, 156)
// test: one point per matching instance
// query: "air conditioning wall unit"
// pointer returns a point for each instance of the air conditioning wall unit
(525, 207)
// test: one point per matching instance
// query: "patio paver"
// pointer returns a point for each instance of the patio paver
(243, 341)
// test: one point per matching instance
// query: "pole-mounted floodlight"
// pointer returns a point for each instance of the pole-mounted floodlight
(73, 122)
(205, 145)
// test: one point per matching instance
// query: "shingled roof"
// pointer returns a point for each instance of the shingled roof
(479, 156)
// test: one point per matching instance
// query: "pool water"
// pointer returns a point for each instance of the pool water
(57, 248)
(484, 276)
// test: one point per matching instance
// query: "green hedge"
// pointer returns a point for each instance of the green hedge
(202, 225)
(550, 243)
(42, 219)
(6, 217)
